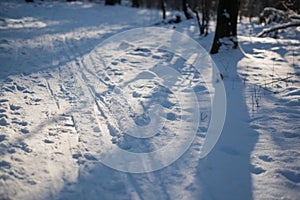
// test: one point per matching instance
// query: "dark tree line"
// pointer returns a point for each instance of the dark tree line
(247, 7)
(112, 2)
(226, 13)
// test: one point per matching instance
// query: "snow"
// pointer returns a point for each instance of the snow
(226, 14)
(72, 91)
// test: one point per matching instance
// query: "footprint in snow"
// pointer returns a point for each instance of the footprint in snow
(20, 88)
(3, 122)
(2, 138)
(291, 175)
(5, 164)
(42, 85)
(142, 120)
(28, 92)
(3, 100)
(256, 170)
(23, 146)
(291, 135)
(22, 123)
(14, 108)
(266, 158)
(48, 141)
(89, 156)
(3, 115)
(24, 131)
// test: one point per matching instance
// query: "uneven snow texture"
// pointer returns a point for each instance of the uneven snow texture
(56, 102)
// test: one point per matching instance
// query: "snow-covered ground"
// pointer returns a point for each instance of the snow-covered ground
(60, 107)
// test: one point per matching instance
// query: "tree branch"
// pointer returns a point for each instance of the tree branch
(295, 17)
(278, 27)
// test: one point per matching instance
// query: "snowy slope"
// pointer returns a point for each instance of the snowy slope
(60, 106)
(272, 95)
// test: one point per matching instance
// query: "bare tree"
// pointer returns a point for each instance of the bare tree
(163, 7)
(205, 7)
(251, 5)
(205, 10)
(226, 24)
(185, 10)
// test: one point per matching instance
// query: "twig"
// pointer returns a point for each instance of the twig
(276, 81)
(278, 27)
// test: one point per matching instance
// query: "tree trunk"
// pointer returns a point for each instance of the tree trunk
(226, 24)
(185, 10)
(135, 3)
(252, 4)
(110, 2)
(205, 16)
(201, 30)
(163, 7)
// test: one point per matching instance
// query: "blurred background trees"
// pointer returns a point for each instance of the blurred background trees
(286, 13)
(280, 14)
(248, 8)
(206, 8)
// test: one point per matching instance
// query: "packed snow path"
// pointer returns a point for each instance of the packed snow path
(56, 100)
(57, 112)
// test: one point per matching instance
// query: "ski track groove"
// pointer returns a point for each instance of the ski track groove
(81, 148)
(90, 92)
(72, 139)
(103, 108)
(52, 94)
(96, 96)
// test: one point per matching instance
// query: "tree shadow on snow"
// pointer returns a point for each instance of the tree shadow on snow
(226, 172)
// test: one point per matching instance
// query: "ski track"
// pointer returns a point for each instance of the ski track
(90, 78)
(67, 101)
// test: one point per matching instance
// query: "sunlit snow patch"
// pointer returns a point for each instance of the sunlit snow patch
(153, 108)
